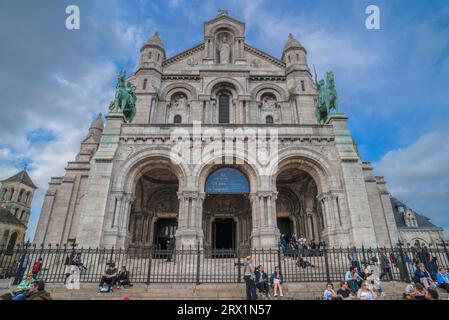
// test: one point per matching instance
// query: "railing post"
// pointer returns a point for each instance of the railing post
(149, 265)
(198, 261)
(22, 259)
(279, 255)
(444, 244)
(405, 273)
(364, 262)
(326, 263)
(239, 269)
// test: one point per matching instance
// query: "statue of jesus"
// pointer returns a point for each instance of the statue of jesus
(224, 50)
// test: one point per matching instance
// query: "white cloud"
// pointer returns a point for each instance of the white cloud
(419, 175)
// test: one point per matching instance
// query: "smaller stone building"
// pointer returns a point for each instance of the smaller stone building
(414, 228)
(16, 195)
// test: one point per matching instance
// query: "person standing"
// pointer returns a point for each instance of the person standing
(37, 266)
(385, 266)
(250, 279)
(171, 245)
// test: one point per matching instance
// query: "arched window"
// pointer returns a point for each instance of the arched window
(149, 55)
(223, 108)
(3, 243)
(21, 194)
(11, 244)
(177, 119)
(269, 120)
(297, 57)
(289, 59)
(145, 81)
(3, 194)
(11, 194)
(158, 57)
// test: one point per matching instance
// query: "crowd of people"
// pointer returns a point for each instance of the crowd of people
(366, 284)
(289, 244)
(256, 279)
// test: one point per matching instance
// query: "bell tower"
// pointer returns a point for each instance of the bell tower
(16, 195)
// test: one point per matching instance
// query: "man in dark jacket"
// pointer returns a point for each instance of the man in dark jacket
(37, 292)
(262, 280)
(171, 245)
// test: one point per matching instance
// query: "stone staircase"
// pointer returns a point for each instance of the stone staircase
(208, 291)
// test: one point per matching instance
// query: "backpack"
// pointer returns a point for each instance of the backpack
(105, 288)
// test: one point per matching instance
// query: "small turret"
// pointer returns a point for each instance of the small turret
(153, 52)
(294, 52)
(96, 127)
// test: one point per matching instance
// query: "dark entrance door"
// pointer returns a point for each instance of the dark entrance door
(285, 227)
(164, 228)
(224, 234)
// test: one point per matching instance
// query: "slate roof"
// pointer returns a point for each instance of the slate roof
(7, 217)
(22, 177)
(423, 221)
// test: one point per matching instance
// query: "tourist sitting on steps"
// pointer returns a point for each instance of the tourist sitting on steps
(108, 279)
(300, 262)
(262, 281)
(276, 281)
(329, 293)
(443, 279)
(353, 279)
(23, 287)
(365, 293)
(123, 278)
(344, 292)
(37, 292)
(423, 276)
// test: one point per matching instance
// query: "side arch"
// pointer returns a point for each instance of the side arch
(279, 92)
(309, 161)
(183, 87)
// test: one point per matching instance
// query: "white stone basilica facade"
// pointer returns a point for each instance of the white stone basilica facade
(124, 188)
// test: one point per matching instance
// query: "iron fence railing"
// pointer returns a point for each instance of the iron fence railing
(200, 265)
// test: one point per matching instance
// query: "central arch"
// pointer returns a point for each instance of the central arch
(227, 213)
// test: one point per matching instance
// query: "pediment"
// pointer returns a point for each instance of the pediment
(258, 59)
(186, 59)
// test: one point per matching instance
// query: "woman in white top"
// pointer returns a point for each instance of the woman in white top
(365, 293)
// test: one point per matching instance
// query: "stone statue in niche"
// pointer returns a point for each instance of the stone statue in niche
(268, 102)
(224, 50)
(179, 101)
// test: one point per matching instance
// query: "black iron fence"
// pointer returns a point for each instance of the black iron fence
(199, 265)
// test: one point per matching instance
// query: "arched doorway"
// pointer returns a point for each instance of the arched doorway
(227, 209)
(297, 208)
(154, 214)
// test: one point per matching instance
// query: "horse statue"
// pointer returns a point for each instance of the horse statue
(125, 97)
(327, 97)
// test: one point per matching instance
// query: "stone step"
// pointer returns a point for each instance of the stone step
(190, 291)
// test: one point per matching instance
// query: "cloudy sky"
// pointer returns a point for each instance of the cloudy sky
(393, 83)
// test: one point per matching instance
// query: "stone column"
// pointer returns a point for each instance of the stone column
(190, 230)
(265, 233)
